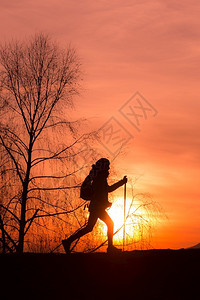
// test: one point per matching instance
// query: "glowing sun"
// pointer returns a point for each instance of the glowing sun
(116, 212)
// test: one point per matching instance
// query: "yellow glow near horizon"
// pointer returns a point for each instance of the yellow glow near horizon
(137, 223)
(116, 212)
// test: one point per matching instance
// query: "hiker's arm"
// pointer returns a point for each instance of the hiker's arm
(116, 185)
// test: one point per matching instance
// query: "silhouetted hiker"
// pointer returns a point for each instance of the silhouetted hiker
(99, 202)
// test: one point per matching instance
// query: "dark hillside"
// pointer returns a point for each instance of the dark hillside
(195, 246)
(152, 274)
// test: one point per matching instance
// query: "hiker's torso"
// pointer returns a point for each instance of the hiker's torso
(99, 194)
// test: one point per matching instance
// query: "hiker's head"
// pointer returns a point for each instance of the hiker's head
(103, 164)
(101, 168)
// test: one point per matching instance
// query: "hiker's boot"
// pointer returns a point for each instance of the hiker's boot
(66, 244)
(112, 250)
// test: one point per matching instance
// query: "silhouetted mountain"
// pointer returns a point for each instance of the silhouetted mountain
(195, 247)
(152, 274)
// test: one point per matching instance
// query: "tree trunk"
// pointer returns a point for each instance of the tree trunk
(3, 235)
(20, 248)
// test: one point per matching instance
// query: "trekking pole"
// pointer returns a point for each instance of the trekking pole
(124, 229)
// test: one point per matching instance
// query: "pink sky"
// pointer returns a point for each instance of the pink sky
(127, 46)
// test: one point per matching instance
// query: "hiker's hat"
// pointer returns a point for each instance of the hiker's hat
(102, 164)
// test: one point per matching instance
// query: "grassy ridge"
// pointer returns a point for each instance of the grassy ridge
(151, 274)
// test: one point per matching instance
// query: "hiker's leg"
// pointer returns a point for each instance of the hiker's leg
(104, 216)
(88, 228)
(90, 225)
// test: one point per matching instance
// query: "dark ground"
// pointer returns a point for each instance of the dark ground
(151, 274)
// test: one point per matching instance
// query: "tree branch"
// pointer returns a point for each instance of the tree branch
(30, 221)
(58, 213)
(39, 160)
(54, 189)
(10, 212)
(55, 177)
(13, 159)
(9, 237)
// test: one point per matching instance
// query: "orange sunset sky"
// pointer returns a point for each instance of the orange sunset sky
(152, 47)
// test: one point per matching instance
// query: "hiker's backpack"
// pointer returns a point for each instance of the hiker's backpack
(86, 189)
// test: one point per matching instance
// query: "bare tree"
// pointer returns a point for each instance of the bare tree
(37, 82)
